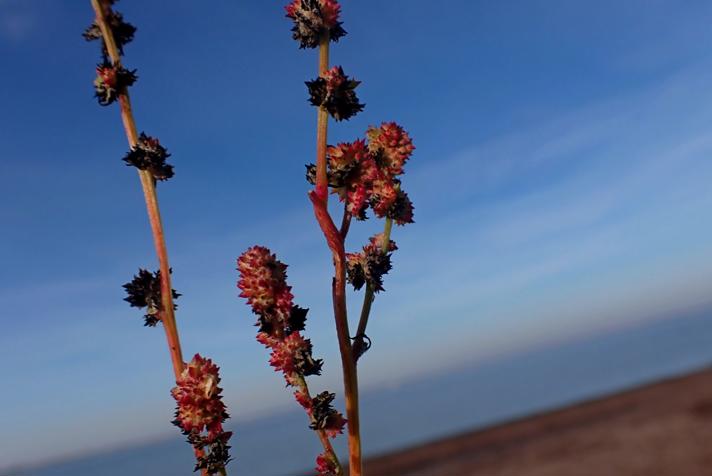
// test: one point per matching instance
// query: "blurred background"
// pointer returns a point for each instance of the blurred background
(562, 248)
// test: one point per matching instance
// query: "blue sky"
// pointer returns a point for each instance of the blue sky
(561, 183)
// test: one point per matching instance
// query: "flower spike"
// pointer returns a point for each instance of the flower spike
(200, 412)
(263, 281)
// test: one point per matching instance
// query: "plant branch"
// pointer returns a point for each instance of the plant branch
(360, 346)
(320, 198)
(148, 185)
(323, 437)
(149, 191)
(322, 126)
(345, 222)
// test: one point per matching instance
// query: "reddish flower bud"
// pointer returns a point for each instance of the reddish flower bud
(344, 158)
(293, 357)
(112, 81)
(314, 18)
(392, 146)
(357, 201)
(325, 466)
(383, 196)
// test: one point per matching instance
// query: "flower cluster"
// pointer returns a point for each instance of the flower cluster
(263, 281)
(122, 31)
(326, 466)
(313, 19)
(371, 264)
(111, 81)
(336, 92)
(321, 412)
(148, 154)
(200, 413)
(144, 290)
(366, 174)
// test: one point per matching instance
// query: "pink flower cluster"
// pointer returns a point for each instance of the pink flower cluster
(200, 413)
(330, 11)
(325, 466)
(263, 281)
(313, 19)
(366, 173)
(200, 406)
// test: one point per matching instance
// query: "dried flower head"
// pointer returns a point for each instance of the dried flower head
(215, 452)
(324, 416)
(150, 155)
(325, 466)
(336, 92)
(371, 264)
(200, 412)
(313, 19)
(144, 290)
(401, 211)
(391, 145)
(112, 81)
(122, 31)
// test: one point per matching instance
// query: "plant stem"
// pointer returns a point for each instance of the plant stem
(148, 184)
(359, 346)
(322, 125)
(345, 222)
(334, 239)
(323, 437)
(154, 213)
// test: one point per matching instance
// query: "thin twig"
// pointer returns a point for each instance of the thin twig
(323, 437)
(345, 222)
(359, 346)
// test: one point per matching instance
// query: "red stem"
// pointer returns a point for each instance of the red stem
(320, 198)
